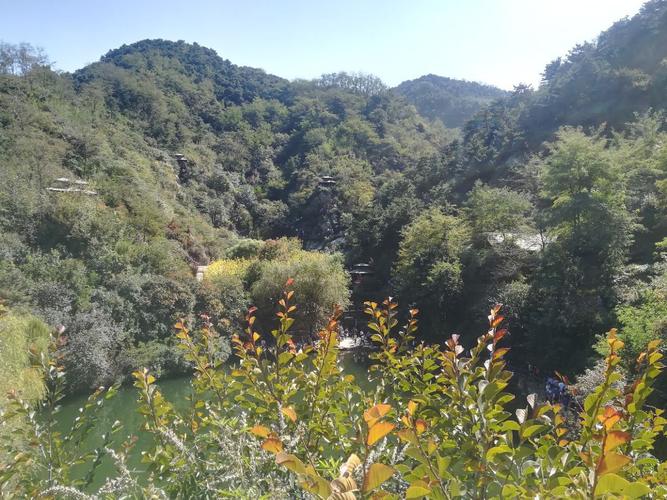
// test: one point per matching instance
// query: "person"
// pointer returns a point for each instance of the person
(565, 396)
(551, 389)
(560, 391)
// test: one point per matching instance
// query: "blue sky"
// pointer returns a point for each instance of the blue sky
(502, 42)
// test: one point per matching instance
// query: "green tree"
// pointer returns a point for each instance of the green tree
(428, 268)
(590, 231)
(498, 210)
(320, 283)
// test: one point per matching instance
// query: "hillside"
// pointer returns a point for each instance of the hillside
(602, 83)
(451, 101)
(116, 267)
(194, 159)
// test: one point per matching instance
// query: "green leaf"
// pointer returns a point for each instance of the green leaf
(532, 429)
(496, 450)
(417, 489)
(615, 484)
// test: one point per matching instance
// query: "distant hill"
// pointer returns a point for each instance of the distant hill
(451, 101)
(605, 83)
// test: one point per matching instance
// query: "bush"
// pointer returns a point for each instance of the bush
(23, 337)
(320, 283)
(436, 424)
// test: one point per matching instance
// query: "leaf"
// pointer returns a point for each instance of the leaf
(532, 429)
(406, 435)
(615, 439)
(531, 399)
(291, 462)
(352, 463)
(610, 416)
(420, 425)
(343, 485)
(616, 485)
(497, 337)
(261, 431)
(289, 412)
(273, 445)
(521, 415)
(496, 321)
(611, 463)
(417, 489)
(378, 431)
(412, 407)
(375, 413)
(376, 475)
(315, 484)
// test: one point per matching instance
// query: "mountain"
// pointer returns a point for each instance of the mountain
(189, 158)
(451, 101)
(184, 155)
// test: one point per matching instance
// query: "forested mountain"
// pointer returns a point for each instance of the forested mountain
(191, 159)
(163, 206)
(451, 101)
(116, 267)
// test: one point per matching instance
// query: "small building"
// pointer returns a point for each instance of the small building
(327, 181)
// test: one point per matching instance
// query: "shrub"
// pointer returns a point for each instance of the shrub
(436, 425)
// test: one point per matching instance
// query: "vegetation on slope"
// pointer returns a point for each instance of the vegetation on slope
(451, 101)
(344, 165)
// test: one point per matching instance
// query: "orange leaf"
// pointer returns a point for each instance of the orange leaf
(611, 463)
(289, 412)
(499, 335)
(261, 431)
(420, 425)
(273, 445)
(609, 417)
(375, 413)
(412, 407)
(496, 321)
(615, 439)
(378, 431)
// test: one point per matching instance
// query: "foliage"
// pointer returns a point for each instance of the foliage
(451, 101)
(43, 459)
(22, 338)
(437, 424)
(343, 164)
(428, 268)
(499, 210)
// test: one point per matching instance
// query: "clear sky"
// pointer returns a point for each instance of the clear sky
(502, 42)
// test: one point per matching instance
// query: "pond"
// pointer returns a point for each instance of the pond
(123, 408)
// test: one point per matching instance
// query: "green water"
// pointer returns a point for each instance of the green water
(123, 408)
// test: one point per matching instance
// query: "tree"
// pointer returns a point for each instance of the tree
(320, 284)
(590, 230)
(498, 210)
(428, 268)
